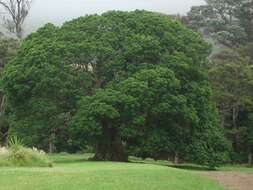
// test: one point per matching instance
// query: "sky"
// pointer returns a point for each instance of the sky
(59, 11)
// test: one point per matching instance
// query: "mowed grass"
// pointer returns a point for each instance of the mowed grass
(226, 168)
(73, 172)
(236, 168)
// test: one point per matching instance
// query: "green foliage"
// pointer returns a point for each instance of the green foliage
(41, 89)
(210, 149)
(15, 143)
(119, 81)
(8, 49)
(229, 22)
(28, 158)
(19, 156)
(232, 79)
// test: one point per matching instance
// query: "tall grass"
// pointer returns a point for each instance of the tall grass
(15, 143)
(16, 154)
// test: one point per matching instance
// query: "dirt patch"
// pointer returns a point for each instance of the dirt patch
(232, 180)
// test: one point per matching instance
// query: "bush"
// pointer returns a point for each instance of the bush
(18, 155)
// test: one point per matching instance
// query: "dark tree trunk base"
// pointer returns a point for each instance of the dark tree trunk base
(110, 147)
(109, 157)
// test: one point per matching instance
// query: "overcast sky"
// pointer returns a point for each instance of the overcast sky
(58, 11)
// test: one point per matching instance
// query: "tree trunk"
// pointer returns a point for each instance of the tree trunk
(222, 121)
(110, 147)
(176, 158)
(3, 138)
(234, 123)
(234, 117)
(19, 31)
(52, 147)
(250, 157)
(4, 125)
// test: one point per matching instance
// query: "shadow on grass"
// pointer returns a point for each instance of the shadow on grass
(191, 167)
(69, 158)
(78, 158)
(183, 166)
(70, 161)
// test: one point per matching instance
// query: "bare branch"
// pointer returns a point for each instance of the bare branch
(17, 11)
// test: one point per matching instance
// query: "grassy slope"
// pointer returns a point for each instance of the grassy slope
(71, 173)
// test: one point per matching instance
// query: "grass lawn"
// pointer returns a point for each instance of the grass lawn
(73, 172)
(237, 168)
(226, 168)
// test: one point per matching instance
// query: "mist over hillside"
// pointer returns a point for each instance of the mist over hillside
(58, 11)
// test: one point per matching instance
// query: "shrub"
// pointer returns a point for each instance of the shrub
(18, 155)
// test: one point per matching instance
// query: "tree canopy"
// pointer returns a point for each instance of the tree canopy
(122, 82)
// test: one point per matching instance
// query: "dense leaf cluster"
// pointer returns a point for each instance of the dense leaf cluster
(125, 83)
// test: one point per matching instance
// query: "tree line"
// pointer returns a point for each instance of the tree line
(228, 24)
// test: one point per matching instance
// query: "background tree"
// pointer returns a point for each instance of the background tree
(228, 22)
(247, 136)
(8, 48)
(41, 91)
(232, 79)
(17, 11)
(244, 13)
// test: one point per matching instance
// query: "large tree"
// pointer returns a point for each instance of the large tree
(138, 72)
